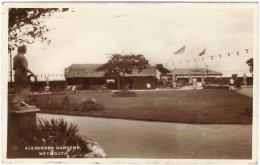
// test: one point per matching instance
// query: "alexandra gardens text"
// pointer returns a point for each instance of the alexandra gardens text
(36, 148)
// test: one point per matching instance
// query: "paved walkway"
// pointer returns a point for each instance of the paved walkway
(139, 139)
(246, 91)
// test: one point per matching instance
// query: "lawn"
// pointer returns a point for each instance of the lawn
(209, 106)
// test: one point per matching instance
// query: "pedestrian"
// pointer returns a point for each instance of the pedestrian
(231, 84)
(237, 85)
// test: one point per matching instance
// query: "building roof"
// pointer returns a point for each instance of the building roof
(88, 70)
(83, 70)
(192, 71)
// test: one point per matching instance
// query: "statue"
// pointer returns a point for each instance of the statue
(47, 81)
(21, 80)
(47, 88)
(244, 79)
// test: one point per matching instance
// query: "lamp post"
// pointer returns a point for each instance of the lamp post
(206, 74)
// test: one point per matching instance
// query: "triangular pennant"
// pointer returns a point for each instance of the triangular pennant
(180, 51)
(203, 52)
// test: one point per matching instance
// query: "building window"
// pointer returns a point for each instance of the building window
(110, 81)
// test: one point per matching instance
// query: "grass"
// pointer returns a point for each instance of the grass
(209, 106)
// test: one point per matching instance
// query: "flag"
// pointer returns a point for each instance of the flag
(180, 51)
(203, 52)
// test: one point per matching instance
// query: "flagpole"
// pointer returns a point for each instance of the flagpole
(185, 63)
(180, 51)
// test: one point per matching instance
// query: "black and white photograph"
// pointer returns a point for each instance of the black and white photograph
(128, 82)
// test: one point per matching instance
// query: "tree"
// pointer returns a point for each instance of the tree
(250, 63)
(162, 69)
(119, 65)
(26, 25)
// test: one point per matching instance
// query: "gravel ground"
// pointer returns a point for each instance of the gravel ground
(141, 139)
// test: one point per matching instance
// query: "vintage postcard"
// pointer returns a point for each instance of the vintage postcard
(125, 82)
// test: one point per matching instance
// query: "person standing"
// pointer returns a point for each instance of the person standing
(231, 84)
(21, 81)
(237, 84)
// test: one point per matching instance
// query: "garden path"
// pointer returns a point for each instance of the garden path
(142, 139)
(246, 91)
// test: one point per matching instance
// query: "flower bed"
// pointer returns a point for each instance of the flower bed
(66, 103)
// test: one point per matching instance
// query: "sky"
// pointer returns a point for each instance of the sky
(93, 31)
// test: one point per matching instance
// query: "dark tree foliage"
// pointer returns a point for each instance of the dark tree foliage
(162, 69)
(25, 25)
(250, 63)
(119, 65)
(124, 64)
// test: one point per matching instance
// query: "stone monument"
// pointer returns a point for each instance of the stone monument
(47, 88)
(21, 116)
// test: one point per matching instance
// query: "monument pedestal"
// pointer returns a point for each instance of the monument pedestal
(20, 121)
(22, 118)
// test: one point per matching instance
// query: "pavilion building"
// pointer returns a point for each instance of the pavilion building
(87, 76)
(189, 74)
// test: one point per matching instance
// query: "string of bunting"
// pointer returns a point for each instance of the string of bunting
(58, 75)
(218, 55)
(49, 75)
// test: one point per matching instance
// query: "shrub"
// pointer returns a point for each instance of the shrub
(86, 105)
(124, 93)
(53, 134)
(248, 112)
(216, 87)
